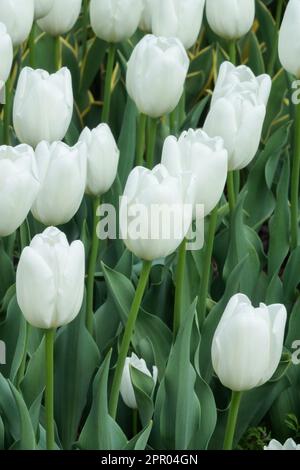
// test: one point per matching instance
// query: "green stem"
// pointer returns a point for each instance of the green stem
(92, 268)
(207, 266)
(23, 235)
(140, 140)
(152, 123)
(173, 122)
(232, 51)
(181, 110)
(179, 290)
(85, 27)
(107, 86)
(295, 181)
(135, 418)
(58, 53)
(129, 329)
(31, 46)
(7, 112)
(232, 420)
(49, 392)
(231, 190)
(274, 52)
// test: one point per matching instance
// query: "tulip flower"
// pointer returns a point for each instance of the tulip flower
(237, 113)
(178, 18)
(205, 158)
(230, 19)
(127, 390)
(6, 53)
(146, 18)
(43, 105)
(155, 212)
(156, 73)
(289, 444)
(246, 350)
(102, 159)
(62, 172)
(17, 15)
(42, 8)
(115, 20)
(289, 38)
(61, 18)
(19, 185)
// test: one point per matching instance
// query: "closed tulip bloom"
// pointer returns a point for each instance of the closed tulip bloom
(178, 18)
(127, 390)
(50, 280)
(102, 159)
(289, 444)
(146, 18)
(62, 171)
(42, 8)
(156, 73)
(247, 344)
(61, 18)
(17, 15)
(155, 212)
(230, 19)
(238, 111)
(19, 185)
(6, 53)
(205, 157)
(43, 105)
(115, 20)
(289, 38)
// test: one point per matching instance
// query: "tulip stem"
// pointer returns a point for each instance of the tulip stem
(207, 266)
(58, 53)
(232, 52)
(274, 52)
(152, 128)
(49, 392)
(31, 47)
(232, 420)
(129, 329)
(140, 141)
(7, 112)
(108, 84)
(179, 288)
(231, 191)
(92, 268)
(295, 181)
(85, 23)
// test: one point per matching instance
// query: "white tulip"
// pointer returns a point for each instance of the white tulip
(289, 38)
(6, 53)
(102, 159)
(247, 344)
(237, 113)
(61, 18)
(230, 19)
(205, 157)
(115, 20)
(62, 172)
(127, 390)
(50, 280)
(156, 73)
(19, 185)
(43, 105)
(17, 15)
(289, 444)
(42, 8)
(178, 18)
(155, 212)
(146, 18)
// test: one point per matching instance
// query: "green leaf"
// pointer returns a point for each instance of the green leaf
(139, 442)
(27, 436)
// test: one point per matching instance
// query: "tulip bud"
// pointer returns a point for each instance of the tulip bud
(155, 212)
(156, 73)
(247, 344)
(289, 444)
(115, 20)
(62, 172)
(127, 390)
(6, 53)
(230, 19)
(238, 111)
(61, 18)
(50, 279)
(178, 18)
(19, 185)
(102, 159)
(289, 38)
(43, 105)
(42, 8)
(17, 15)
(205, 158)
(146, 18)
